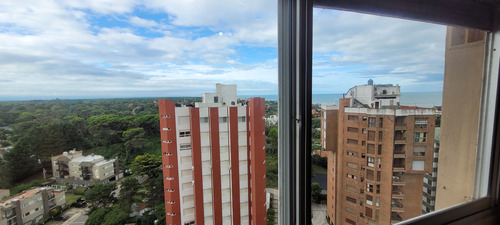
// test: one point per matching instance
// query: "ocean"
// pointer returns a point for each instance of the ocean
(422, 99)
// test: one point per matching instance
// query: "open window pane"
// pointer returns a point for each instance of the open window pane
(387, 83)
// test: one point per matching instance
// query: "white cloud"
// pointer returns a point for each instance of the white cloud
(100, 48)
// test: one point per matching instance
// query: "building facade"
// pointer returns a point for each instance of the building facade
(213, 159)
(464, 70)
(74, 168)
(376, 172)
(30, 206)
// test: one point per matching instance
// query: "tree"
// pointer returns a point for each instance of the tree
(316, 193)
(272, 141)
(97, 216)
(128, 189)
(101, 195)
(134, 140)
(316, 123)
(147, 164)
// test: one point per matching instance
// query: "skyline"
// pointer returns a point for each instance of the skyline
(148, 48)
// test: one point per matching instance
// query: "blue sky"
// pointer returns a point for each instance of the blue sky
(151, 48)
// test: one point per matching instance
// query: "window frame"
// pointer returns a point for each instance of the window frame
(295, 84)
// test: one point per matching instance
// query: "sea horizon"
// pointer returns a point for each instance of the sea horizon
(423, 99)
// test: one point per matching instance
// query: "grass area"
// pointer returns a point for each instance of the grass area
(71, 198)
(318, 170)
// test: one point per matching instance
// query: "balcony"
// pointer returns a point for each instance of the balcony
(396, 218)
(398, 181)
(400, 127)
(9, 214)
(397, 206)
(397, 195)
(399, 140)
(399, 155)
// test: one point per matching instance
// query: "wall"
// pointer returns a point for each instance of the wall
(459, 123)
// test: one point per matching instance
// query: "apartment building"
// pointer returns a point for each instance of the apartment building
(74, 168)
(464, 76)
(376, 169)
(30, 206)
(213, 158)
(430, 179)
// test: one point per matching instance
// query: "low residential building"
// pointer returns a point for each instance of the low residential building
(74, 168)
(4, 193)
(30, 206)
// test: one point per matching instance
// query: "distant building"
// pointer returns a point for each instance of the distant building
(214, 160)
(430, 179)
(378, 154)
(74, 168)
(374, 96)
(30, 206)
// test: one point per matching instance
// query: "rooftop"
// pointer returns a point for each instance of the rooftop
(89, 158)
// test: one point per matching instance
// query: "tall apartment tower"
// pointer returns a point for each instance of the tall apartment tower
(213, 158)
(382, 152)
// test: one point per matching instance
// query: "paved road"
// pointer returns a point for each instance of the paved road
(318, 214)
(77, 216)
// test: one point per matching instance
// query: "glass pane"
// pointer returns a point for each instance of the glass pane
(177, 100)
(397, 105)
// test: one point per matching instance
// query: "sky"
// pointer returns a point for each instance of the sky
(152, 48)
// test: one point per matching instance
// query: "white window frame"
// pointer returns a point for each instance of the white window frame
(294, 107)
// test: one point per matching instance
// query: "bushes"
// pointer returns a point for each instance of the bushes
(270, 216)
(22, 187)
(80, 190)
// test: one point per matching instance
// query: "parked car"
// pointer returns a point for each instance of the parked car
(62, 217)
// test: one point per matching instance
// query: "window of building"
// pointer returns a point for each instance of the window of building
(368, 212)
(350, 188)
(379, 174)
(350, 199)
(371, 135)
(380, 122)
(369, 187)
(349, 221)
(223, 119)
(370, 161)
(352, 117)
(369, 199)
(349, 210)
(216, 99)
(421, 123)
(380, 136)
(370, 174)
(352, 129)
(241, 119)
(352, 176)
(185, 147)
(352, 165)
(418, 165)
(364, 130)
(418, 150)
(352, 153)
(203, 119)
(185, 134)
(352, 141)
(420, 136)
(370, 149)
(379, 150)
(364, 118)
(372, 122)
